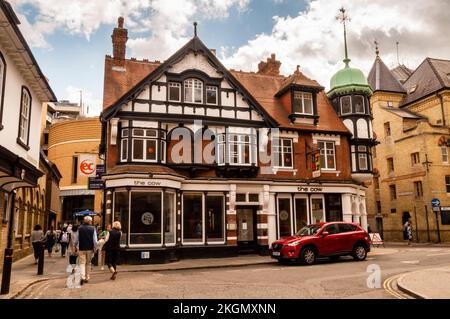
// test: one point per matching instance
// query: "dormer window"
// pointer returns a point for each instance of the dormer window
(193, 91)
(303, 103)
(211, 95)
(346, 105)
(359, 104)
(174, 92)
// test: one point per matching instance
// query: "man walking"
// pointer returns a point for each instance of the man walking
(86, 244)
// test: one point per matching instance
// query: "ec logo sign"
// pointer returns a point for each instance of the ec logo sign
(87, 165)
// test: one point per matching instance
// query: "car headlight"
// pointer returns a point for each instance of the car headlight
(294, 243)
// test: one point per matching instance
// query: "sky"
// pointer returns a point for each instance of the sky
(70, 38)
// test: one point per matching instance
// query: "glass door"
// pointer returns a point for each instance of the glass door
(246, 219)
(301, 212)
(146, 218)
(317, 209)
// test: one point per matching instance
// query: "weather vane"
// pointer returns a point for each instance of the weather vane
(343, 18)
(377, 50)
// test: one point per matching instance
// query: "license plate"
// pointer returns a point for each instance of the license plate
(276, 253)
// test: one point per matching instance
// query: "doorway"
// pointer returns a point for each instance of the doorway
(246, 227)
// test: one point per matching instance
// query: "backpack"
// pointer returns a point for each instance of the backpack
(51, 237)
(64, 237)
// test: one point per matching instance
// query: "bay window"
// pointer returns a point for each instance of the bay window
(147, 145)
(193, 91)
(236, 149)
(359, 104)
(327, 155)
(363, 158)
(303, 103)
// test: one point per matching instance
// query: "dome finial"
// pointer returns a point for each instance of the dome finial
(343, 17)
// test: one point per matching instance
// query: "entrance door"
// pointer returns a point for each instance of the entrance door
(380, 226)
(246, 226)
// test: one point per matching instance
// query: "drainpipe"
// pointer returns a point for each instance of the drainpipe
(441, 99)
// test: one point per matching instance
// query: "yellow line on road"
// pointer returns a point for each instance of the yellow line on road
(387, 285)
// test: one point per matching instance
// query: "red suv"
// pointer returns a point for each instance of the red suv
(331, 240)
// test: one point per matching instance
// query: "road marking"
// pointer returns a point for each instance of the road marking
(441, 254)
(387, 285)
(412, 262)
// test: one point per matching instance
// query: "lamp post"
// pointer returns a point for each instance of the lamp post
(8, 258)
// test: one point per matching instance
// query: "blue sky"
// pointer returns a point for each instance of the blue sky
(70, 38)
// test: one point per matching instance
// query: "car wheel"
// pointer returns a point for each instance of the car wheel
(308, 255)
(359, 252)
(334, 258)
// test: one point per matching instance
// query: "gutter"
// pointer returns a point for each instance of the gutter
(441, 99)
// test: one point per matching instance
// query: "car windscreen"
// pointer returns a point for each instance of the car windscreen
(308, 230)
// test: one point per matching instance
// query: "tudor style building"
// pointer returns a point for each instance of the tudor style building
(205, 160)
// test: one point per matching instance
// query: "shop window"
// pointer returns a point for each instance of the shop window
(415, 158)
(346, 105)
(193, 91)
(317, 209)
(145, 218)
(193, 218)
(327, 155)
(333, 208)
(121, 205)
(211, 95)
(303, 103)
(418, 190)
(359, 104)
(447, 183)
(174, 92)
(301, 213)
(284, 216)
(393, 192)
(444, 153)
(215, 217)
(169, 218)
(284, 152)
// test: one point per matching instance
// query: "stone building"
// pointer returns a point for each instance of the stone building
(411, 112)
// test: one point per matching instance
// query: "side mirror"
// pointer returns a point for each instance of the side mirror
(325, 234)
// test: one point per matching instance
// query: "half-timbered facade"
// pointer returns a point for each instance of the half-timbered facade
(202, 160)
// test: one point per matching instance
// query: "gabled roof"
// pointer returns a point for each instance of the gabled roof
(198, 47)
(430, 77)
(401, 73)
(298, 79)
(382, 79)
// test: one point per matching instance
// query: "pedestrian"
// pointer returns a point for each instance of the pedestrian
(50, 240)
(407, 232)
(37, 235)
(112, 248)
(86, 244)
(100, 251)
(58, 239)
(64, 241)
(73, 250)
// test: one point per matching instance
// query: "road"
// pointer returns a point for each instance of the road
(344, 278)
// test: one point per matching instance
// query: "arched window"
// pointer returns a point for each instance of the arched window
(193, 91)
(24, 121)
(2, 85)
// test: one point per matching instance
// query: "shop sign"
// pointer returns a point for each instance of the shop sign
(146, 183)
(100, 169)
(310, 189)
(95, 183)
(147, 218)
(87, 165)
(316, 167)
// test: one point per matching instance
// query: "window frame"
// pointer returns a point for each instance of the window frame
(216, 90)
(225, 143)
(387, 129)
(390, 160)
(302, 106)
(351, 104)
(415, 158)
(20, 140)
(173, 84)
(418, 189)
(324, 166)
(193, 87)
(280, 150)
(363, 104)
(444, 155)
(3, 69)
(447, 183)
(159, 139)
(393, 188)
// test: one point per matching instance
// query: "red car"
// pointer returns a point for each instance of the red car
(333, 239)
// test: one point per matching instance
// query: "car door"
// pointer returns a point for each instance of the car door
(347, 236)
(330, 243)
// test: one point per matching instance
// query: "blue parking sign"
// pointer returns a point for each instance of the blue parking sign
(435, 202)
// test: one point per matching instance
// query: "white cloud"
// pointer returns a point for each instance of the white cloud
(91, 105)
(314, 39)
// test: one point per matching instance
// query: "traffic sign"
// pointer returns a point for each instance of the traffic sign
(435, 202)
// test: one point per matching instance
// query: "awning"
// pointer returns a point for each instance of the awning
(76, 192)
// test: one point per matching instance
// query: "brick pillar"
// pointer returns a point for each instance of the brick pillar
(231, 216)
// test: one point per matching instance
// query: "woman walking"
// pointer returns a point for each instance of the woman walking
(37, 235)
(50, 240)
(100, 250)
(112, 248)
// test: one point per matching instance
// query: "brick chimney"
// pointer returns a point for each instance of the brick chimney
(119, 40)
(271, 67)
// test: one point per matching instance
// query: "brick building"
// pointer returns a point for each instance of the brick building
(202, 160)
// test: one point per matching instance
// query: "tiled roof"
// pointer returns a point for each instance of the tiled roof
(401, 73)
(404, 113)
(431, 76)
(382, 79)
(298, 78)
(118, 82)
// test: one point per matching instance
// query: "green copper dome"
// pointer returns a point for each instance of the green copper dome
(349, 80)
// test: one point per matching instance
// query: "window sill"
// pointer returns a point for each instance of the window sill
(284, 169)
(21, 143)
(330, 171)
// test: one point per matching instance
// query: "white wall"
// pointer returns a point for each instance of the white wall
(11, 110)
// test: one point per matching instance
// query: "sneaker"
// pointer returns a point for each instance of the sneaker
(114, 275)
(111, 269)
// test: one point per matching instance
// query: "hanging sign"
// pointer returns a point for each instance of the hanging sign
(87, 165)
(316, 167)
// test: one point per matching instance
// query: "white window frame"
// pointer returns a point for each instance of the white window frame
(298, 95)
(351, 104)
(124, 139)
(193, 85)
(363, 105)
(144, 138)
(241, 143)
(281, 149)
(172, 85)
(444, 154)
(324, 166)
(24, 116)
(215, 89)
(363, 154)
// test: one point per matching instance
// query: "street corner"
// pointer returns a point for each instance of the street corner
(431, 283)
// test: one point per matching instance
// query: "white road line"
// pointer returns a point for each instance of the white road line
(413, 262)
(441, 254)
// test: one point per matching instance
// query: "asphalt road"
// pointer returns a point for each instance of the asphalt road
(344, 278)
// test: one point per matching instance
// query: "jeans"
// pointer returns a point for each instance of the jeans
(111, 258)
(36, 249)
(63, 248)
(84, 260)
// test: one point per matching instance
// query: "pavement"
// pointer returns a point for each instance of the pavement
(431, 283)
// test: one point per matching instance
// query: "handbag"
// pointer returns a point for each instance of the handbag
(73, 259)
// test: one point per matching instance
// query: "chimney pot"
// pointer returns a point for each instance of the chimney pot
(120, 22)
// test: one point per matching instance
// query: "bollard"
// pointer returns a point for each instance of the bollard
(6, 276)
(41, 259)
